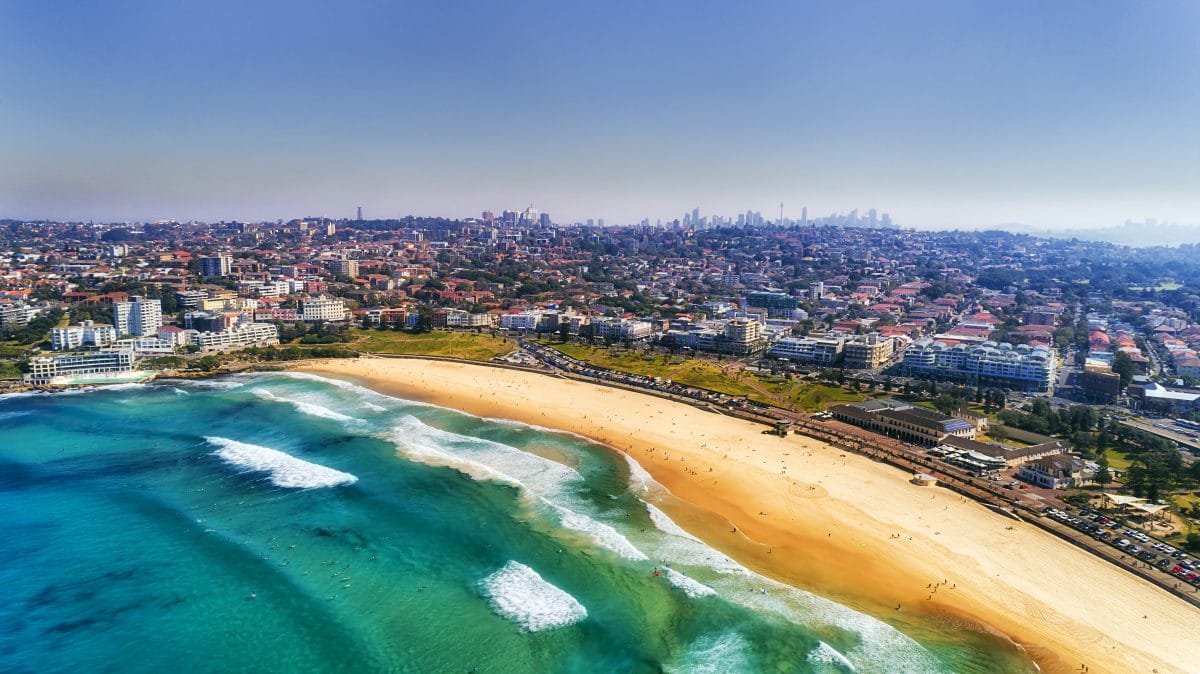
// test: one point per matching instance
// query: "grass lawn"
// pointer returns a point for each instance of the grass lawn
(1117, 460)
(465, 345)
(691, 371)
(815, 397)
(8, 370)
(807, 395)
(1185, 500)
(11, 349)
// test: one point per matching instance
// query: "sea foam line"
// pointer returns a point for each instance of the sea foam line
(304, 406)
(690, 586)
(543, 480)
(284, 469)
(520, 594)
(351, 387)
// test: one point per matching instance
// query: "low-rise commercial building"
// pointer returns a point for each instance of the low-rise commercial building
(898, 419)
(1057, 471)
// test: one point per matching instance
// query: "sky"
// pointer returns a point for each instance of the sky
(1052, 115)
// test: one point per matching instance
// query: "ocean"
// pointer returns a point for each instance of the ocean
(286, 522)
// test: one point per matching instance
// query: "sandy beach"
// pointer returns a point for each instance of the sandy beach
(811, 515)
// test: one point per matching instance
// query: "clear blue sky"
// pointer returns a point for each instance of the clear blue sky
(946, 113)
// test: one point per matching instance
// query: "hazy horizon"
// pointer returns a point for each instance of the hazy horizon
(1076, 115)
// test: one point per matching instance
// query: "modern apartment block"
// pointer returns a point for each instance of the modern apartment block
(343, 267)
(1019, 367)
(86, 334)
(736, 337)
(217, 265)
(316, 309)
(868, 351)
(246, 334)
(139, 316)
(815, 350)
(778, 305)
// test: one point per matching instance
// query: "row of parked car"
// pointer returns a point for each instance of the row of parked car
(1101, 528)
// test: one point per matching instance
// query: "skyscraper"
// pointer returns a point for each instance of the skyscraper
(360, 213)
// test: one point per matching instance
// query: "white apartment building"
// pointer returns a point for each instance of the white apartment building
(457, 318)
(78, 336)
(314, 309)
(246, 334)
(139, 316)
(525, 320)
(622, 329)
(816, 350)
(16, 314)
(1022, 366)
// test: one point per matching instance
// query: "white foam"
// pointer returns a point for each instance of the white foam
(714, 654)
(481, 458)
(546, 482)
(520, 594)
(824, 654)
(690, 586)
(284, 469)
(665, 524)
(304, 406)
(12, 415)
(214, 384)
(641, 482)
(127, 386)
(602, 534)
(352, 388)
(879, 642)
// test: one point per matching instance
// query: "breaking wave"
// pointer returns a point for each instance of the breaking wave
(284, 470)
(520, 594)
(304, 406)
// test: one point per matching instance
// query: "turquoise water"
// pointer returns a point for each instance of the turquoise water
(287, 523)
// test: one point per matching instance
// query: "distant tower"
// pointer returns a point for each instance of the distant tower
(360, 213)
(781, 214)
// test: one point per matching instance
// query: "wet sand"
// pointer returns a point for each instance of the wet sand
(813, 516)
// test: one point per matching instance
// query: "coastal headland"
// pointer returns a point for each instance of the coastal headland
(823, 519)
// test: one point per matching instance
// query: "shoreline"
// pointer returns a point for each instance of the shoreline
(838, 524)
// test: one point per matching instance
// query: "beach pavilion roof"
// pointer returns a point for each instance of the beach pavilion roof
(1135, 502)
(1121, 499)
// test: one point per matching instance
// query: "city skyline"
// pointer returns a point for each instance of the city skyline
(1075, 115)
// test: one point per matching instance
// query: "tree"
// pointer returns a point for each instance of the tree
(1193, 542)
(424, 319)
(1123, 365)
(1103, 476)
